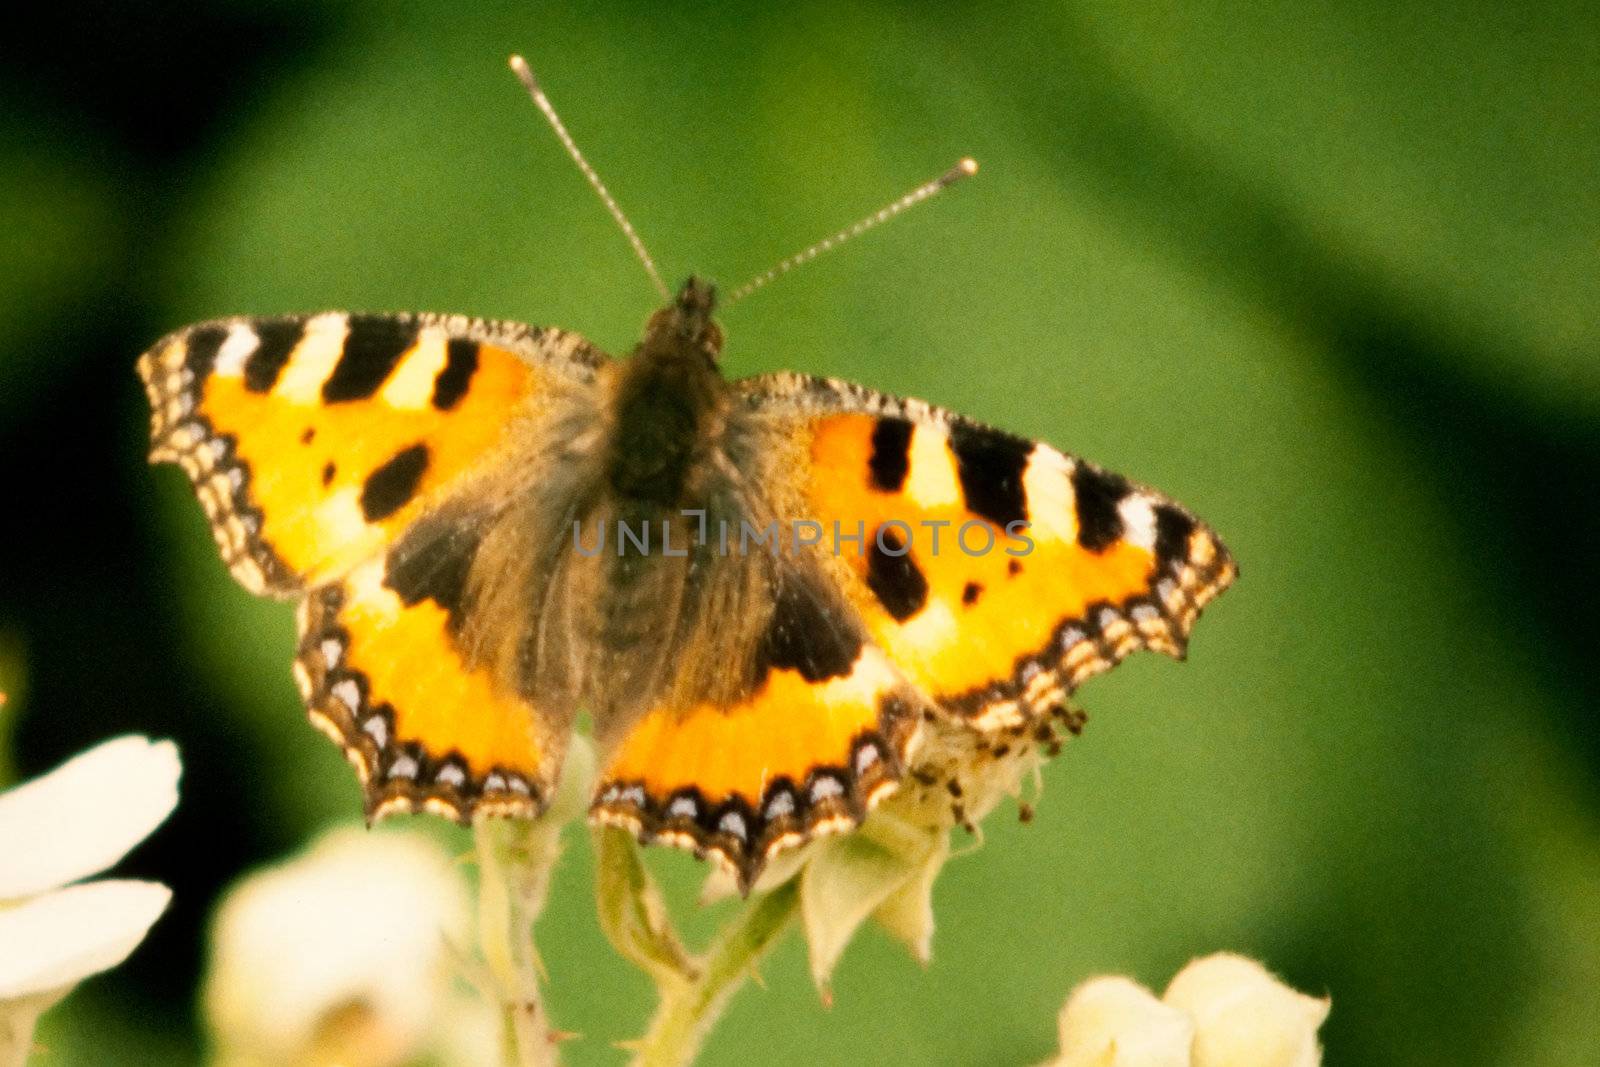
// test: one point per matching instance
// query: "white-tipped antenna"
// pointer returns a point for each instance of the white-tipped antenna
(524, 73)
(964, 169)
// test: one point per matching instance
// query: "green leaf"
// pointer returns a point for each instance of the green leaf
(907, 912)
(632, 913)
(852, 876)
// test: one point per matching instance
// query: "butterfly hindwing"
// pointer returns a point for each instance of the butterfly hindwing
(383, 674)
(313, 440)
(818, 738)
(996, 573)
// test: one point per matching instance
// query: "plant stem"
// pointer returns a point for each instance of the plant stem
(515, 858)
(17, 1021)
(691, 1006)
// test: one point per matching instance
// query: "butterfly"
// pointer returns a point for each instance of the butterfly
(759, 590)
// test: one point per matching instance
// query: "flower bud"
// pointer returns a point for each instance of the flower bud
(1116, 1022)
(1244, 1017)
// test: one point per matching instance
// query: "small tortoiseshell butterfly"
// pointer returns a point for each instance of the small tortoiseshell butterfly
(492, 526)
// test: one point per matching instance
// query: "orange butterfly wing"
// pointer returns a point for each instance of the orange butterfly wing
(325, 450)
(997, 573)
(797, 760)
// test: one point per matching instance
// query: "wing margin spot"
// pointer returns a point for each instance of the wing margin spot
(461, 363)
(890, 461)
(201, 348)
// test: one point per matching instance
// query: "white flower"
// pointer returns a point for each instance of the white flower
(343, 954)
(1116, 1022)
(1245, 1016)
(1220, 1011)
(74, 822)
(69, 824)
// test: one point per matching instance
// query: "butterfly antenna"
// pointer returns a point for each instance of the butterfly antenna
(964, 169)
(524, 73)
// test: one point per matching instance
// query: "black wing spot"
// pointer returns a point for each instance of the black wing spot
(970, 593)
(275, 343)
(308, 435)
(1097, 494)
(1173, 529)
(372, 347)
(200, 353)
(1013, 567)
(329, 469)
(461, 362)
(894, 577)
(391, 486)
(990, 465)
(891, 453)
(432, 561)
(807, 635)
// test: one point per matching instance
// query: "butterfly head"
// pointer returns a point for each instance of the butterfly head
(685, 325)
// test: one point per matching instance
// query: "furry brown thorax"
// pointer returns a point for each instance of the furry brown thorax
(666, 395)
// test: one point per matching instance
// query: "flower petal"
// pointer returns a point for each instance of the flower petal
(58, 939)
(1245, 1016)
(86, 814)
(1116, 1022)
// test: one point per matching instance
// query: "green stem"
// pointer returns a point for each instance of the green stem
(17, 1021)
(515, 858)
(691, 1006)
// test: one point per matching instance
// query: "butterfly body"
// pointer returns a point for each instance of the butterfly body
(493, 527)
(667, 404)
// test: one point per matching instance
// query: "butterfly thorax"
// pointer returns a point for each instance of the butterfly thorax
(666, 404)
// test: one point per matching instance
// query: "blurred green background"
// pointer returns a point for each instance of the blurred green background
(1328, 273)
